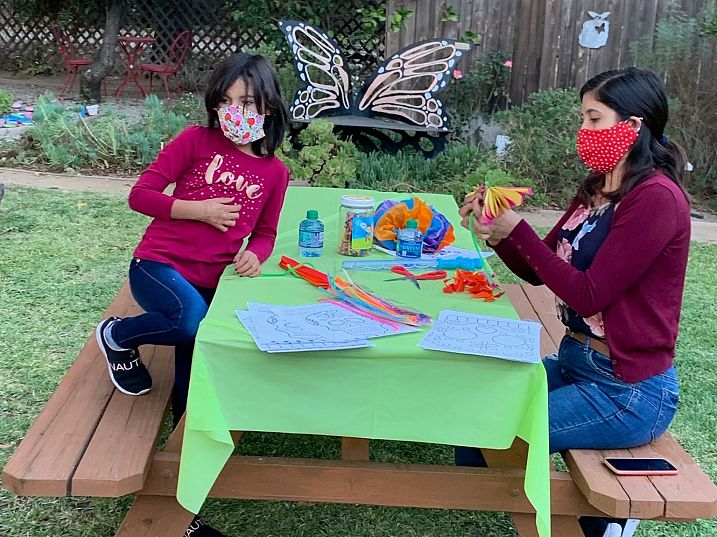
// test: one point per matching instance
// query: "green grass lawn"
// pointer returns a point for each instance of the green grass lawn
(64, 255)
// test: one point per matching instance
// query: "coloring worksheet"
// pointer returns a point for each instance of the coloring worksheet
(468, 333)
(320, 326)
(265, 342)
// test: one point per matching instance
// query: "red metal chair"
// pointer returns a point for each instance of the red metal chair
(72, 61)
(175, 57)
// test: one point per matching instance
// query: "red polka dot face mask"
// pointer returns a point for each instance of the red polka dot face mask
(602, 149)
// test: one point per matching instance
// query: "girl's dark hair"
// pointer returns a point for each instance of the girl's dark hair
(257, 73)
(641, 93)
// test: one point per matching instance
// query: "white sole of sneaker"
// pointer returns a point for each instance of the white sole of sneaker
(98, 337)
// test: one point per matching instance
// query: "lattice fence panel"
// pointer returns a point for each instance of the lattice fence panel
(25, 39)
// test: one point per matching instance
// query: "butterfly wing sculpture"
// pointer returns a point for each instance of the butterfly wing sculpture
(403, 88)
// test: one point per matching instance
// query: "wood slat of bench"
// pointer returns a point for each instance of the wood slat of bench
(45, 460)
(688, 495)
(152, 516)
(525, 311)
(597, 483)
(645, 500)
(119, 454)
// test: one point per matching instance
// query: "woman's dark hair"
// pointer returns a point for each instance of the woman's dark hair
(257, 73)
(641, 93)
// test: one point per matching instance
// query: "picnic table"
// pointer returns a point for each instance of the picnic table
(64, 452)
(393, 391)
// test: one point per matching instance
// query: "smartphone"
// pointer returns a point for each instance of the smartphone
(647, 466)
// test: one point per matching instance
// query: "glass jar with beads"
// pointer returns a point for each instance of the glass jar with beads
(356, 225)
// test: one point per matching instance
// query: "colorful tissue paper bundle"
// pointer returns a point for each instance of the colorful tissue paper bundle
(498, 199)
(392, 215)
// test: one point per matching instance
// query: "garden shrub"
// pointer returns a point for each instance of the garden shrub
(64, 141)
(454, 171)
(483, 90)
(678, 54)
(324, 159)
(5, 101)
(543, 151)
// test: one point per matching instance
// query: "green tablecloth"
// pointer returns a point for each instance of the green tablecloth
(393, 391)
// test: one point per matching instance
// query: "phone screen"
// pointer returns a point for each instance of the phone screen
(640, 465)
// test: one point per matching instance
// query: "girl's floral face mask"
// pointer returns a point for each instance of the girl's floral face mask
(241, 126)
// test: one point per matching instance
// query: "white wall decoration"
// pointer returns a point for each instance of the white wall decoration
(595, 30)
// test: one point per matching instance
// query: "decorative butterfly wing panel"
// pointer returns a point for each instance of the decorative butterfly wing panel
(322, 69)
(406, 84)
(403, 88)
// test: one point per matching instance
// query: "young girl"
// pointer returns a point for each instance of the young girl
(228, 191)
(616, 262)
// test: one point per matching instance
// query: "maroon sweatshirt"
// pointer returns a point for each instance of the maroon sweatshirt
(202, 163)
(636, 278)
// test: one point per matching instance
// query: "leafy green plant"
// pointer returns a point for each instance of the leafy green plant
(324, 159)
(285, 74)
(260, 16)
(542, 152)
(490, 172)
(372, 19)
(471, 37)
(61, 139)
(408, 171)
(5, 101)
(32, 60)
(710, 25)
(399, 18)
(680, 53)
(482, 90)
(449, 14)
(190, 106)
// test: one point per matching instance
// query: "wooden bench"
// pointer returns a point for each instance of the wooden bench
(688, 496)
(69, 451)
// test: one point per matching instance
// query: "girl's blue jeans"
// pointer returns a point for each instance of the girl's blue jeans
(174, 308)
(590, 408)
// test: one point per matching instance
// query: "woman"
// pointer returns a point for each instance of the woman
(616, 262)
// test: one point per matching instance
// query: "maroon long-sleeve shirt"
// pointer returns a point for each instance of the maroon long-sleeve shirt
(636, 278)
(204, 164)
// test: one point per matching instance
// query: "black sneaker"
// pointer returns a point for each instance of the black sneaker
(127, 372)
(199, 529)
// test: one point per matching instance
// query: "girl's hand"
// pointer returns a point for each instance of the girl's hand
(247, 264)
(221, 213)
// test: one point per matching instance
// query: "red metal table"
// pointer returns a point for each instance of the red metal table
(132, 47)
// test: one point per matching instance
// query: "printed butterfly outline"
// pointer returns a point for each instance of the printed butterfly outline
(385, 93)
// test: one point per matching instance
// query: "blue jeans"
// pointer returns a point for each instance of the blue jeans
(174, 308)
(590, 408)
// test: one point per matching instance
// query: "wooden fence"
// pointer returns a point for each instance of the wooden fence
(542, 36)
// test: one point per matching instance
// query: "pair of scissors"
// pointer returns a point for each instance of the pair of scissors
(413, 278)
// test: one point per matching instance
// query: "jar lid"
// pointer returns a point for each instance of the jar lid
(355, 201)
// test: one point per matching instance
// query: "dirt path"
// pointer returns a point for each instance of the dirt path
(702, 230)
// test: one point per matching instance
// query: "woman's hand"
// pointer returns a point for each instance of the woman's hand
(500, 228)
(247, 264)
(503, 225)
(220, 213)
(471, 212)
